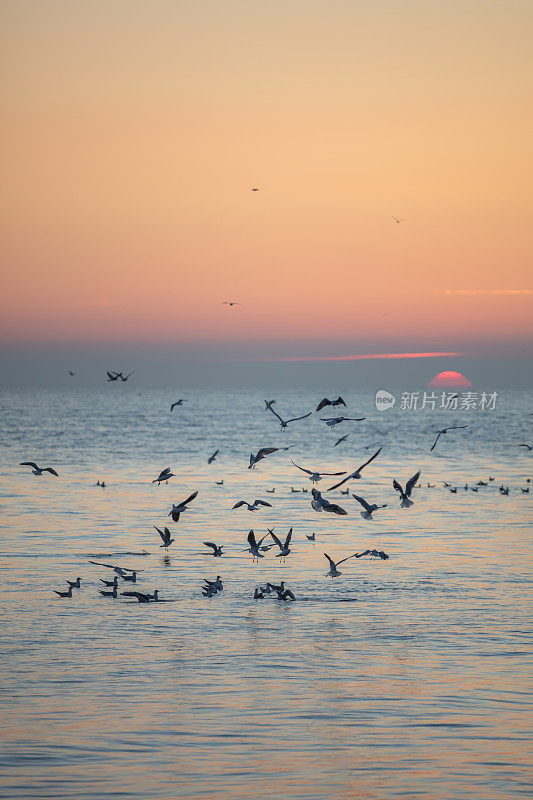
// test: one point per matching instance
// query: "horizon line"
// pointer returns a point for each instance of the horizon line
(358, 357)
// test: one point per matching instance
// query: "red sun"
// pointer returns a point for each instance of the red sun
(449, 380)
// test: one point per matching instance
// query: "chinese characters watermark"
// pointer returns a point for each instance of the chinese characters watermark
(450, 401)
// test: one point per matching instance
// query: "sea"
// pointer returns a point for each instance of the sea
(406, 677)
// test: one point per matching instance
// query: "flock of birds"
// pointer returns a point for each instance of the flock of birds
(259, 547)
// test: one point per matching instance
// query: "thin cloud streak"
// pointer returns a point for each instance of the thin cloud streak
(359, 357)
(489, 291)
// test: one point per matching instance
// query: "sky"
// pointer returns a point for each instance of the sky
(132, 134)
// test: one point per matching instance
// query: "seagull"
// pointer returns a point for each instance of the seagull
(121, 571)
(481, 483)
(504, 491)
(284, 548)
(398, 220)
(404, 496)
(124, 378)
(529, 447)
(285, 422)
(314, 477)
(332, 421)
(333, 571)
(258, 593)
(142, 597)
(252, 506)
(165, 536)
(208, 591)
(114, 582)
(264, 451)
(219, 483)
(271, 491)
(255, 545)
(357, 474)
(374, 554)
(163, 476)
(310, 536)
(445, 430)
(112, 593)
(71, 373)
(178, 509)
(368, 509)
(342, 439)
(319, 504)
(230, 303)
(38, 470)
(68, 593)
(524, 491)
(132, 577)
(212, 458)
(254, 189)
(216, 584)
(282, 592)
(454, 490)
(179, 402)
(113, 376)
(75, 584)
(325, 402)
(446, 484)
(217, 549)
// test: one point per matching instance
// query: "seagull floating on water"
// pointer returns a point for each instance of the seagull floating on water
(404, 496)
(68, 593)
(112, 593)
(444, 431)
(319, 504)
(75, 584)
(38, 470)
(357, 474)
(217, 549)
(114, 582)
(143, 597)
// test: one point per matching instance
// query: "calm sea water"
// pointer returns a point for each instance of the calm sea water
(401, 678)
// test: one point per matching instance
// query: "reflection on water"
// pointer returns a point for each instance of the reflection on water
(405, 677)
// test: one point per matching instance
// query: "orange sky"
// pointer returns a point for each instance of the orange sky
(132, 133)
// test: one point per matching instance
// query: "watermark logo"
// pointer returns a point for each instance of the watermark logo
(384, 400)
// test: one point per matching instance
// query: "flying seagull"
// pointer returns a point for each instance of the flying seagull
(163, 476)
(124, 378)
(212, 458)
(445, 430)
(404, 496)
(217, 549)
(368, 508)
(179, 402)
(255, 546)
(285, 422)
(181, 507)
(284, 548)
(252, 506)
(38, 470)
(332, 421)
(374, 554)
(264, 451)
(113, 376)
(319, 504)
(314, 477)
(71, 373)
(357, 474)
(121, 571)
(398, 220)
(230, 303)
(165, 536)
(325, 402)
(342, 439)
(333, 571)
(281, 591)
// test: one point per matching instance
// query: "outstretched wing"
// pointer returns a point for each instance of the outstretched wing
(339, 402)
(160, 532)
(262, 503)
(439, 434)
(363, 502)
(278, 542)
(302, 468)
(323, 403)
(346, 559)
(189, 499)
(397, 486)
(240, 503)
(211, 544)
(295, 419)
(334, 508)
(251, 539)
(274, 412)
(265, 451)
(288, 538)
(52, 471)
(376, 454)
(331, 562)
(456, 427)
(411, 483)
(28, 464)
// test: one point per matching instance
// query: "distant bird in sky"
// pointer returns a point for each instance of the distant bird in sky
(284, 548)
(404, 496)
(398, 220)
(252, 506)
(165, 536)
(124, 378)
(445, 430)
(342, 439)
(230, 303)
(68, 593)
(212, 458)
(319, 504)
(163, 476)
(254, 189)
(332, 421)
(71, 373)
(284, 422)
(217, 549)
(38, 470)
(264, 451)
(179, 508)
(325, 402)
(333, 571)
(179, 402)
(368, 508)
(357, 474)
(113, 376)
(314, 477)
